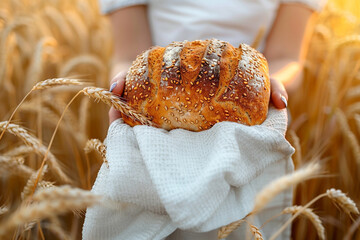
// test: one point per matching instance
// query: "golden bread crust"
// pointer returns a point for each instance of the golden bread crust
(193, 85)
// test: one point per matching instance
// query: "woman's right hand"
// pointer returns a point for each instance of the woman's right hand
(117, 85)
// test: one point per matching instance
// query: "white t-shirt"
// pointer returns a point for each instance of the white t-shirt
(234, 21)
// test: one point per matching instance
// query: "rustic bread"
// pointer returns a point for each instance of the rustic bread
(193, 85)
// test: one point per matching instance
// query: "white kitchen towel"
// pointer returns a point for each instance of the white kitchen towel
(192, 181)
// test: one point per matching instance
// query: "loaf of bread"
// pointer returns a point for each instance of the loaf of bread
(193, 85)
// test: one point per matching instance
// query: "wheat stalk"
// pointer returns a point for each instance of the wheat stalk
(90, 60)
(353, 228)
(282, 183)
(226, 230)
(56, 229)
(348, 134)
(53, 82)
(62, 192)
(357, 122)
(27, 191)
(96, 144)
(41, 85)
(308, 212)
(10, 165)
(256, 232)
(48, 203)
(35, 143)
(341, 200)
(35, 68)
(18, 151)
(111, 100)
(296, 142)
(84, 115)
(337, 196)
(272, 190)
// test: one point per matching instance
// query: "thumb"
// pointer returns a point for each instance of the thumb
(118, 84)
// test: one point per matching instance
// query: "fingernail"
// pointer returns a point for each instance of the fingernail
(113, 86)
(283, 99)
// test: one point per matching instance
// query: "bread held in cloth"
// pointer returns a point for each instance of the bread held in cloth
(194, 84)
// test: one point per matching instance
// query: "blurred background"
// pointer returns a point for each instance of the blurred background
(41, 39)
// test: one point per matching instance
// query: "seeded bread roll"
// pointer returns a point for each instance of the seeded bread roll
(193, 85)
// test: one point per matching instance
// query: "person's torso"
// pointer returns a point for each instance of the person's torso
(234, 21)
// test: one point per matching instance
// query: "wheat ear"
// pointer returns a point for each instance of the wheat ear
(32, 141)
(308, 212)
(48, 203)
(112, 100)
(14, 166)
(96, 144)
(256, 232)
(53, 82)
(31, 182)
(19, 151)
(226, 230)
(336, 195)
(271, 190)
(281, 184)
(41, 85)
(343, 201)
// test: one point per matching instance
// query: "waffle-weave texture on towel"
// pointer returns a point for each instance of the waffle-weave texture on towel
(193, 181)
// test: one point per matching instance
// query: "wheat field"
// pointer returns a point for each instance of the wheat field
(53, 53)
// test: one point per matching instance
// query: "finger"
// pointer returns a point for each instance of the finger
(279, 95)
(118, 83)
(113, 115)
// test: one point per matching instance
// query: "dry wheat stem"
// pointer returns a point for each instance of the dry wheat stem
(297, 145)
(96, 144)
(353, 228)
(83, 115)
(279, 185)
(42, 85)
(12, 115)
(51, 141)
(35, 68)
(62, 200)
(31, 182)
(57, 230)
(273, 189)
(308, 212)
(111, 100)
(357, 122)
(36, 145)
(348, 134)
(336, 195)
